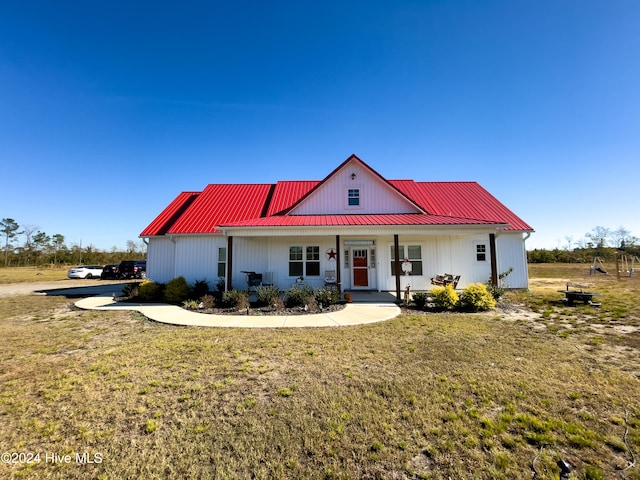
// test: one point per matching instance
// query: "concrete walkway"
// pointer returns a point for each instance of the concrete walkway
(353, 314)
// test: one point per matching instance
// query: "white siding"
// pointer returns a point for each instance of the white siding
(440, 254)
(160, 259)
(197, 258)
(512, 254)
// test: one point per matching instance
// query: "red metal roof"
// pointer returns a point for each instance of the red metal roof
(461, 199)
(264, 205)
(287, 193)
(170, 215)
(364, 219)
(222, 203)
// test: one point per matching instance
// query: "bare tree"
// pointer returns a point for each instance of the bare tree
(29, 231)
(599, 236)
(569, 239)
(623, 238)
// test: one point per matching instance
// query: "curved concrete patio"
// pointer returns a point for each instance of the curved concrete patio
(352, 314)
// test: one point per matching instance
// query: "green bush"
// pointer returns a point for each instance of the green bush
(267, 296)
(476, 298)
(190, 304)
(444, 298)
(150, 291)
(200, 289)
(238, 299)
(177, 291)
(420, 299)
(298, 296)
(327, 296)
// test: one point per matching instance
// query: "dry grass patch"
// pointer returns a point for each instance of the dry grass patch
(428, 396)
(32, 274)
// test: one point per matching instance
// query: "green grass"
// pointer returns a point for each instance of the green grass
(421, 396)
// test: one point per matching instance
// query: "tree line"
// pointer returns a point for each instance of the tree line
(27, 245)
(602, 242)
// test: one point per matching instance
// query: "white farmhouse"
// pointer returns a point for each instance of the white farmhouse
(354, 228)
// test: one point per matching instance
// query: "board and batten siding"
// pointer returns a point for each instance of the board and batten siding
(270, 255)
(161, 255)
(512, 254)
(440, 255)
(197, 258)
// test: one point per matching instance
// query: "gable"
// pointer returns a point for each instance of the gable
(356, 189)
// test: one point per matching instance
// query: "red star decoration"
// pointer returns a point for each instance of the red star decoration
(331, 254)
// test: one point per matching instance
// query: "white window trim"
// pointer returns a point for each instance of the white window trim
(360, 197)
(475, 251)
(304, 261)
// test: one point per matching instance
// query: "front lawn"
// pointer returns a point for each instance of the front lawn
(494, 395)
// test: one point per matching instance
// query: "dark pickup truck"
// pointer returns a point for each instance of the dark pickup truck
(133, 269)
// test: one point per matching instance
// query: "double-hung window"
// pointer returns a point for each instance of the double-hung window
(222, 262)
(304, 261)
(481, 252)
(353, 197)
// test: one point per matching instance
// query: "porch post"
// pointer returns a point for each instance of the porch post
(494, 260)
(338, 265)
(229, 262)
(396, 264)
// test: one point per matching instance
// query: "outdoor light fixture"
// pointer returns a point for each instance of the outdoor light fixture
(353, 176)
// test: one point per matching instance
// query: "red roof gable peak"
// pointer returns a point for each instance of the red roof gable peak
(354, 158)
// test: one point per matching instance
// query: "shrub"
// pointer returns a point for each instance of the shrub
(267, 296)
(177, 291)
(476, 298)
(238, 299)
(208, 301)
(298, 296)
(420, 299)
(444, 298)
(149, 291)
(190, 304)
(327, 296)
(131, 290)
(200, 288)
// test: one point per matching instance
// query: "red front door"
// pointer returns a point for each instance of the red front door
(360, 267)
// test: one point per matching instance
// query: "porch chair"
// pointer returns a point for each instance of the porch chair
(267, 279)
(330, 279)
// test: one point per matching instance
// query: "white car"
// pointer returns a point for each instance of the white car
(85, 271)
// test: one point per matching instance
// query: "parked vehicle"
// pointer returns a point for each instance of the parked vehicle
(133, 269)
(85, 271)
(110, 272)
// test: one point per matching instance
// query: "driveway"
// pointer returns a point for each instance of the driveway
(69, 288)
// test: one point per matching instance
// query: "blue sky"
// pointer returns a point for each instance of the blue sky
(109, 109)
